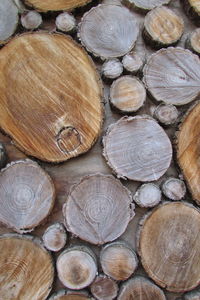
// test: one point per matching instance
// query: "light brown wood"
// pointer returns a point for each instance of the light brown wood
(104, 288)
(26, 268)
(49, 5)
(141, 288)
(31, 20)
(27, 195)
(137, 148)
(172, 75)
(8, 20)
(55, 237)
(56, 86)
(118, 260)
(174, 188)
(169, 246)
(133, 62)
(166, 114)
(108, 31)
(188, 150)
(98, 209)
(147, 195)
(144, 5)
(194, 295)
(112, 68)
(193, 41)
(162, 27)
(192, 9)
(66, 22)
(127, 94)
(76, 267)
(70, 295)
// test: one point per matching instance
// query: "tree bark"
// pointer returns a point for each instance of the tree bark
(111, 69)
(192, 9)
(31, 20)
(101, 204)
(146, 153)
(66, 22)
(174, 188)
(3, 156)
(27, 195)
(169, 246)
(108, 31)
(144, 5)
(172, 75)
(133, 62)
(166, 114)
(55, 237)
(62, 110)
(70, 295)
(193, 41)
(118, 260)
(148, 195)
(127, 94)
(26, 268)
(104, 288)
(76, 267)
(56, 5)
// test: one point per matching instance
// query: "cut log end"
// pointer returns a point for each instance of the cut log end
(133, 62)
(112, 69)
(31, 20)
(66, 22)
(76, 267)
(55, 237)
(148, 195)
(104, 288)
(166, 114)
(127, 94)
(162, 27)
(192, 9)
(118, 260)
(56, 5)
(193, 41)
(71, 295)
(174, 189)
(144, 5)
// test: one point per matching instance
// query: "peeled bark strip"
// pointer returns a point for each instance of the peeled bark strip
(144, 5)
(141, 288)
(169, 246)
(193, 42)
(148, 195)
(104, 288)
(174, 188)
(101, 204)
(70, 295)
(112, 68)
(194, 295)
(76, 267)
(166, 114)
(3, 156)
(27, 195)
(127, 94)
(66, 22)
(8, 20)
(172, 75)
(188, 150)
(31, 20)
(133, 62)
(192, 9)
(55, 237)
(108, 31)
(162, 27)
(137, 148)
(49, 5)
(118, 260)
(62, 117)
(26, 268)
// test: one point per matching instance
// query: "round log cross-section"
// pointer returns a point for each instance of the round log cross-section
(146, 153)
(102, 206)
(144, 5)
(169, 246)
(55, 237)
(193, 41)
(57, 5)
(104, 288)
(8, 20)
(62, 110)
(26, 268)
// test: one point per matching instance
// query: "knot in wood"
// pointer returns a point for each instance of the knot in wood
(68, 139)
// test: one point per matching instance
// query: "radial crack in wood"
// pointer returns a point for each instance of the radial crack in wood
(169, 246)
(56, 86)
(26, 268)
(193, 41)
(27, 195)
(172, 75)
(104, 288)
(174, 188)
(144, 5)
(55, 237)
(108, 31)
(98, 209)
(137, 148)
(56, 5)
(147, 195)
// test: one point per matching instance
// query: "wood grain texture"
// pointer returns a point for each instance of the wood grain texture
(108, 31)
(169, 246)
(49, 5)
(55, 237)
(144, 5)
(111, 69)
(188, 150)
(133, 62)
(98, 209)
(56, 86)
(66, 22)
(147, 195)
(166, 114)
(172, 75)
(26, 268)
(70, 295)
(104, 288)
(193, 41)
(31, 20)
(137, 148)
(174, 188)
(27, 195)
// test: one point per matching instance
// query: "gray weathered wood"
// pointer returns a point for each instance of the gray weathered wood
(55, 237)
(8, 20)
(174, 188)
(31, 20)
(166, 114)
(111, 69)
(133, 62)
(104, 288)
(66, 22)
(147, 195)
(144, 5)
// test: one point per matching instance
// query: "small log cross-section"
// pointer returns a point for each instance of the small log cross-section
(104, 288)
(133, 62)
(141, 288)
(172, 75)
(169, 246)
(62, 109)
(76, 267)
(148, 195)
(98, 209)
(55, 237)
(26, 268)
(193, 41)
(70, 295)
(192, 8)
(26, 195)
(188, 143)
(111, 69)
(31, 20)
(57, 5)
(108, 31)
(8, 20)
(162, 27)
(166, 114)
(127, 94)
(174, 188)
(66, 22)
(137, 148)
(144, 5)
(118, 260)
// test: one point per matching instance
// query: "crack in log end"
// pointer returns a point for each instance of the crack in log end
(68, 139)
